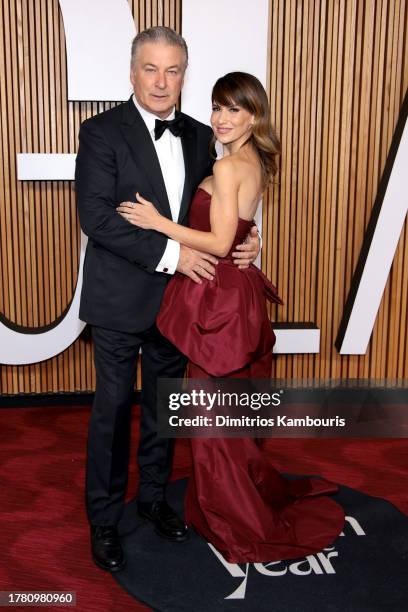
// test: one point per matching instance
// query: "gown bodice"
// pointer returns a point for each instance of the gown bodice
(199, 219)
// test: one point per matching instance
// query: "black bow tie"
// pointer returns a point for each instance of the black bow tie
(176, 127)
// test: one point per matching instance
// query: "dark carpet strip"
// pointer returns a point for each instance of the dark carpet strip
(44, 532)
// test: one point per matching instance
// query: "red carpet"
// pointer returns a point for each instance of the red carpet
(43, 523)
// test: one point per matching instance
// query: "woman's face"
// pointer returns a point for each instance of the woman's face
(231, 123)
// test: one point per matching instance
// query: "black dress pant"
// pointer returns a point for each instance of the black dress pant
(116, 355)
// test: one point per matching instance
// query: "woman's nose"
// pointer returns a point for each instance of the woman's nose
(222, 117)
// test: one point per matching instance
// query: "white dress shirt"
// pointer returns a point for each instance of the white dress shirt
(170, 153)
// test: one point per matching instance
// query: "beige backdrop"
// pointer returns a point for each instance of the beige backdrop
(338, 74)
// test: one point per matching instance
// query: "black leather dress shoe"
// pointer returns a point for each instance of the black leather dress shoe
(106, 549)
(166, 522)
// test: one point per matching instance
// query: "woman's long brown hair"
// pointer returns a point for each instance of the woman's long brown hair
(245, 90)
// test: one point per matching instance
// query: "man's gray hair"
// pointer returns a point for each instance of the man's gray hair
(158, 34)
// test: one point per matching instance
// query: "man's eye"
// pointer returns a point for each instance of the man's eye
(172, 71)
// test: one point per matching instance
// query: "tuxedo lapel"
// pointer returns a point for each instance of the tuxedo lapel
(137, 136)
(189, 144)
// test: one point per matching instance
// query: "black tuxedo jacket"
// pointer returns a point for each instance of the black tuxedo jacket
(116, 158)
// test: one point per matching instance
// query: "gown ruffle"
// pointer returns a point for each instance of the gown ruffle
(235, 498)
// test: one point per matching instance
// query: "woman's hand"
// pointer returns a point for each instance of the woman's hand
(143, 214)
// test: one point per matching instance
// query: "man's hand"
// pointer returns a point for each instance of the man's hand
(248, 251)
(195, 264)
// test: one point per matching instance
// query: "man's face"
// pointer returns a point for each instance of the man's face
(157, 76)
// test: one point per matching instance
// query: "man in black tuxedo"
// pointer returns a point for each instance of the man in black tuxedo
(121, 151)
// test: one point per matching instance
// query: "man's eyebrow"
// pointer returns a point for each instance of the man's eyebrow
(168, 67)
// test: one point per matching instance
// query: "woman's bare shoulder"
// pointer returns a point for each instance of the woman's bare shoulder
(225, 169)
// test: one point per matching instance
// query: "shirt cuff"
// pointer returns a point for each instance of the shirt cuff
(170, 258)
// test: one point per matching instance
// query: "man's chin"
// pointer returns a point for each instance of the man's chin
(161, 107)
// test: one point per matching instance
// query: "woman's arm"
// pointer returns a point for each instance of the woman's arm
(223, 215)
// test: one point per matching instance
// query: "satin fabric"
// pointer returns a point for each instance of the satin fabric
(235, 498)
(222, 324)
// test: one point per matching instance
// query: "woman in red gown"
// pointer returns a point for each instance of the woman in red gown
(235, 498)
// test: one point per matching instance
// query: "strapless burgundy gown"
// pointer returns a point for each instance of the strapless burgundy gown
(235, 498)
